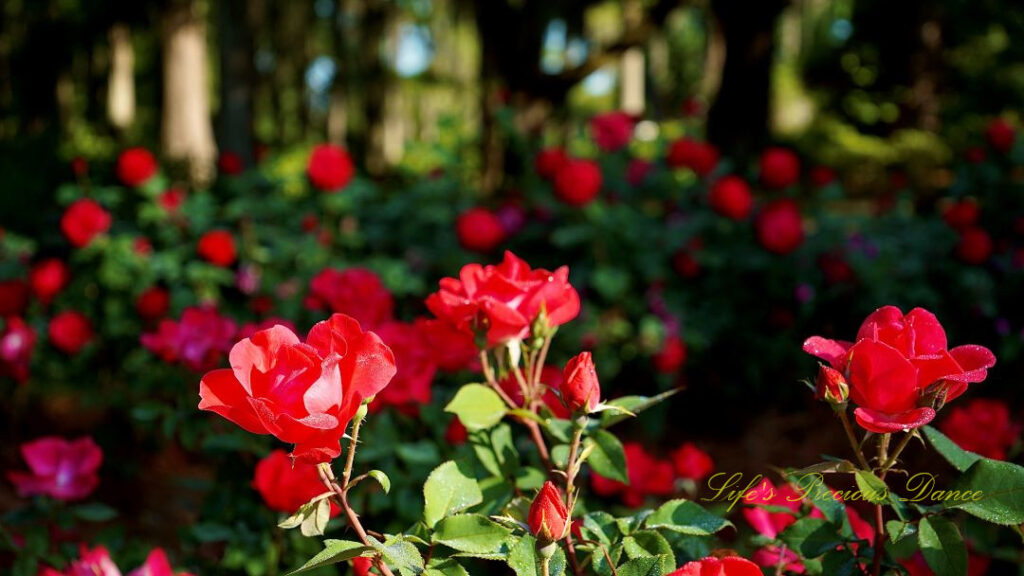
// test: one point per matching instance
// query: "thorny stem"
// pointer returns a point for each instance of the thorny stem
(896, 453)
(876, 562)
(532, 426)
(538, 366)
(493, 382)
(570, 501)
(604, 551)
(853, 440)
(327, 477)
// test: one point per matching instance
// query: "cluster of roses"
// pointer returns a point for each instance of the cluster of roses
(97, 562)
(650, 476)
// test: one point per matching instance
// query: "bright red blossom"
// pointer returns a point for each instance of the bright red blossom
(479, 230)
(648, 476)
(671, 357)
(303, 393)
(779, 228)
(549, 161)
(692, 462)
(897, 362)
(612, 131)
(153, 303)
(451, 349)
(548, 517)
(171, 199)
(70, 331)
(218, 248)
(65, 470)
(357, 292)
(581, 390)
(767, 523)
(975, 245)
(700, 157)
(578, 182)
(83, 220)
(961, 214)
(780, 168)
(504, 300)
(711, 566)
(17, 342)
(198, 340)
(135, 166)
(730, 196)
(983, 426)
(285, 486)
(47, 278)
(330, 168)
(411, 386)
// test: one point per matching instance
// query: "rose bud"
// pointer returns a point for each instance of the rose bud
(330, 168)
(831, 386)
(581, 391)
(548, 516)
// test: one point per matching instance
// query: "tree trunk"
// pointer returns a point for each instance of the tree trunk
(187, 133)
(121, 81)
(234, 119)
(738, 119)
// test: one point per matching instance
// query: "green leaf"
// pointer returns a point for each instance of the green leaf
(607, 458)
(839, 563)
(601, 526)
(94, 512)
(399, 554)
(685, 517)
(650, 566)
(647, 543)
(477, 406)
(812, 486)
(522, 558)
(633, 405)
(898, 530)
(381, 479)
(942, 546)
(316, 521)
(448, 490)
(999, 491)
(960, 459)
(496, 450)
(811, 536)
(444, 567)
(334, 551)
(471, 533)
(871, 487)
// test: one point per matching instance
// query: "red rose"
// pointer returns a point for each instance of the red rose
(286, 487)
(700, 157)
(779, 228)
(249, 328)
(768, 523)
(70, 331)
(60, 469)
(357, 292)
(730, 196)
(456, 433)
(612, 131)
(549, 161)
(504, 300)
(451, 349)
(771, 556)
(479, 230)
(230, 164)
(13, 297)
(637, 171)
(47, 278)
(301, 393)
(581, 391)
(330, 168)
(578, 182)
(171, 199)
(895, 362)
(671, 357)
(361, 566)
(780, 168)
(982, 426)
(84, 220)
(411, 386)
(916, 565)
(80, 166)
(135, 166)
(198, 340)
(831, 386)
(16, 344)
(153, 303)
(975, 246)
(711, 566)
(648, 476)
(548, 517)
(821, 176)
(142, 246)
(1000, 135)
(218, 248)
(962, 214)
(692, 462)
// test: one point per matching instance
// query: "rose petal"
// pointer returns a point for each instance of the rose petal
(883, 423)
(831, 351)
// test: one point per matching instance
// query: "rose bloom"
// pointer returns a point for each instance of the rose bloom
(456, 433)
(548, 515)
(549, 161)
(712, 566)
(578, 182)
(505, 299)
(198, 340)
(612, 131)
(648, 476)
(780, 168)
(70, 331)
(330, 168)
(171, 199)
(361, 566)
(730, 196)
(13, 297)
(982, 426)
(135, 166)
(230, 164)
(411, 386)
(218, 248)
(286, 487)
(1000, 135)
(581, 390)
(83, 220)
(97, 562)
(451, 349)
(821, 176)
(701, 157)
(961, 214)
(47, 278)
(768, 523)
(479, 230)
(357, 292)
(896, 362)
(671, 357)
(637, 171)
(16, 344)
(65, 470)
(153, 303)
(302, 393)
(692, 462)
(771, 556)
(975, 246)
(779, 228)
